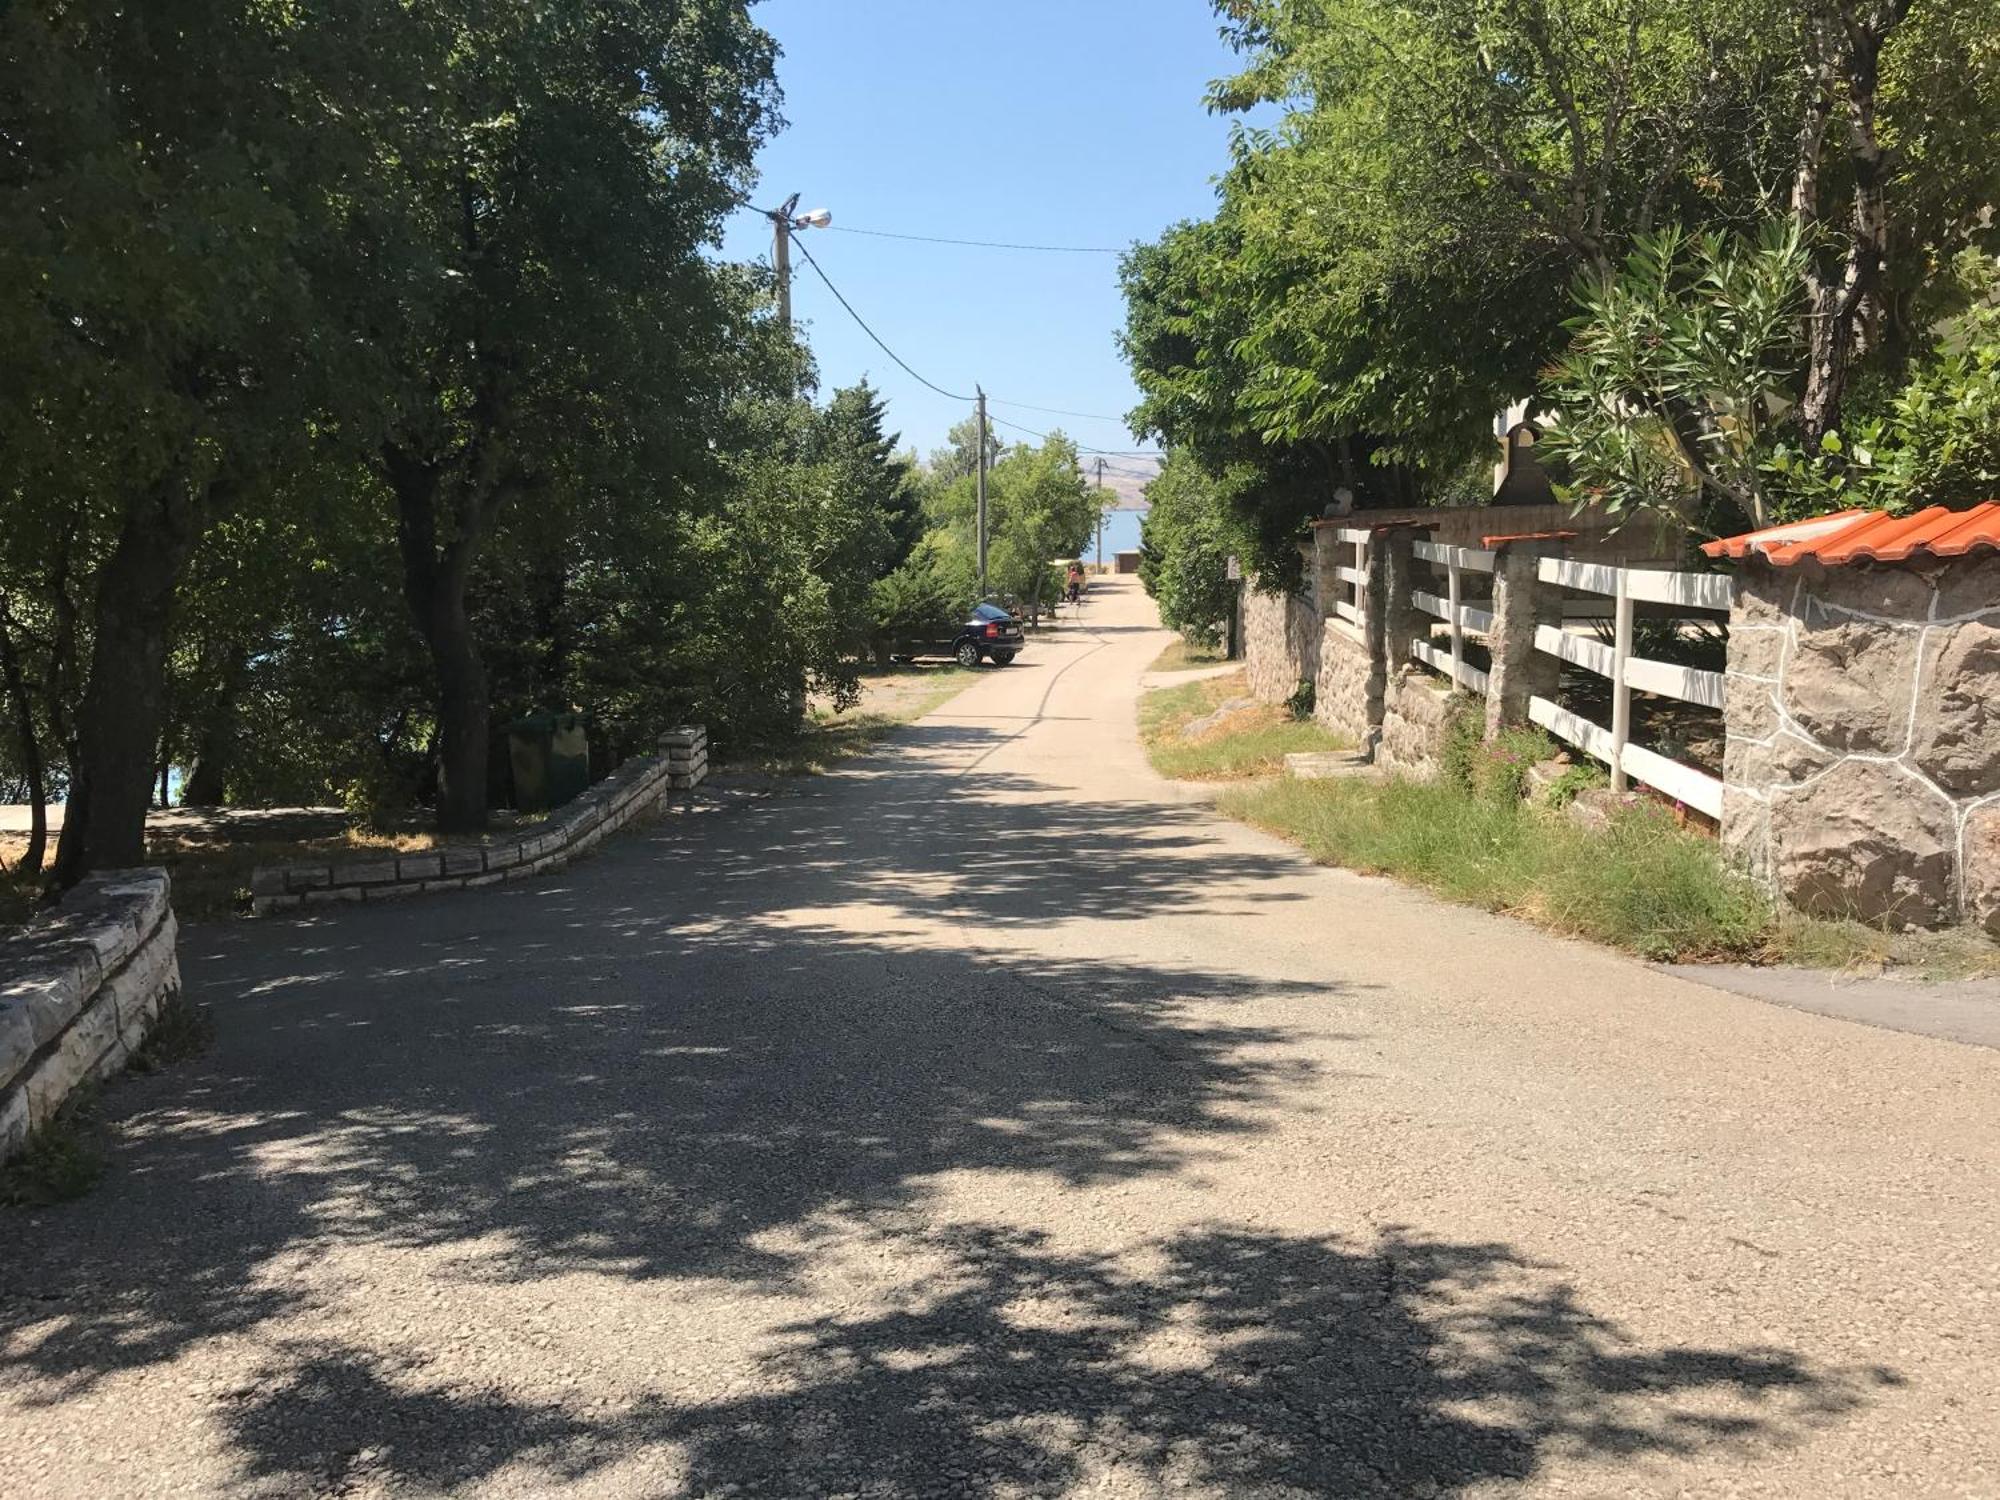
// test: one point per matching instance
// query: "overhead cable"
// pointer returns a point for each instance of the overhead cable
(937, 239)
(869, 331)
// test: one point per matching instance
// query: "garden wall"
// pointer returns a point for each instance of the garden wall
(637, 786)
(1862, 771)
(1281, 643)
(79, 989)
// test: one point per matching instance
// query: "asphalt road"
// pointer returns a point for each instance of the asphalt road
(989, 1119)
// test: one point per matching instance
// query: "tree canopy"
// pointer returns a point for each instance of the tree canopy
(385, 386)
(1402, 252)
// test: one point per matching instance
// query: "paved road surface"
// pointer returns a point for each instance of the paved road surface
(987, 1120)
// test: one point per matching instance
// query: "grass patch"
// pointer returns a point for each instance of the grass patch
(890, 698)
(182, 1030)
(1183, 655)
(1251, 740)
(1644, 885)
(1840, 943)
(63, 1158)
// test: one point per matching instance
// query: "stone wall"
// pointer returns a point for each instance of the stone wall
(1347, 693)
(1416, 708)
(1281, 640)
(1862, 770)
(78, 990)
(637, 786)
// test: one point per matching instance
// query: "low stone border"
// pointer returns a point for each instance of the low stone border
(633, 788)
(78, 990)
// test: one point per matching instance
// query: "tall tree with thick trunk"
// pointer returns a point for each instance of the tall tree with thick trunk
(558, 190)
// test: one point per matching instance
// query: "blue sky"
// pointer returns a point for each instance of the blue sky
(1076, 123)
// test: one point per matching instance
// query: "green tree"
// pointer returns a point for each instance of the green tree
(555, 331)
(166, 357)
(1186, 540)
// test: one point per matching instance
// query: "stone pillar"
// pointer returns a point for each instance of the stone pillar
(1521, 603)
(1393, 618)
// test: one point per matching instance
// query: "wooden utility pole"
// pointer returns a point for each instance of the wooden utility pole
(981, 470)
(781, 257)
(1100, 514)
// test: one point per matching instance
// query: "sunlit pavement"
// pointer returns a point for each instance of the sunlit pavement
(991, 1119)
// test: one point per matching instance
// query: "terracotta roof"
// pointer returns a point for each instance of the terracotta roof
(1870, 535)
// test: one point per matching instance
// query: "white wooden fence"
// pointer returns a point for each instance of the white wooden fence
(1625, 586)
(1460, 616)
(1350, 580)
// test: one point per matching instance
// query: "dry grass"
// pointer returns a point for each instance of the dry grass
(1250, 742)
(890, 698)
(1184, 656)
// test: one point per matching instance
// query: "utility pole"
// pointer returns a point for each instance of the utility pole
(784, 219)
(1100, 515)
(781, 257)
(982, 492)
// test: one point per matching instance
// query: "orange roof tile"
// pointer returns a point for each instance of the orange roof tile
(1872, 535)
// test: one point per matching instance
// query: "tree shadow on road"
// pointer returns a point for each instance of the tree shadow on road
(1218, 1362)
(737, 1035)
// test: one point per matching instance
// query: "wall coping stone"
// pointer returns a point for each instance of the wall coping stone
(581, 824)
(58, 972)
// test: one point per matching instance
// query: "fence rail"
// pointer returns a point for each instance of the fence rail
(1455, 612)
(1625, 586)
(1350, 595)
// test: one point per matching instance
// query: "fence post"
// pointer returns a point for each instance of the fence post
(1522, 603)
(1389, 621)
(1453, 586)
(1621, 695)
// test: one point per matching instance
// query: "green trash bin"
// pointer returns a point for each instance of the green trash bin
(550, 754)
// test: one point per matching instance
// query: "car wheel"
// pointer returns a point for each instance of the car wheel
(1003, 658)
(967, 654)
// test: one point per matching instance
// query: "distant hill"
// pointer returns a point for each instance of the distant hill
(1127, 477)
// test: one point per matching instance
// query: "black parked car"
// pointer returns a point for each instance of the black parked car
(989, 631)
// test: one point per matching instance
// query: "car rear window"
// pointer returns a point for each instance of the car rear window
(989, 612)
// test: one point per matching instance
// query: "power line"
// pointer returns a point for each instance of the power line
(1057, 411)
(934, 239)
(953, 395)
(1080, 447)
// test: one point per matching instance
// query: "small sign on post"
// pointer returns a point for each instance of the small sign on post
(1234, 570)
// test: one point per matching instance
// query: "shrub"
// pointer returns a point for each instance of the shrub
(1300, 704)
(61, 1160)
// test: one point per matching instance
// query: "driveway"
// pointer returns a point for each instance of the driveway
(988, 1119)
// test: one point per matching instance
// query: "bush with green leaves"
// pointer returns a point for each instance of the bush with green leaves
(925, 598)
(1185, 543)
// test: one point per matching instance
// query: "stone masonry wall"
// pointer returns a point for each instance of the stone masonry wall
(1347, 692)
(635, 787)
(1415, 710)
(1281, 638)
(78, 991)
(1862, 769)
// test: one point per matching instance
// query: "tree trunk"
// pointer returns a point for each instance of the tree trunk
(215, 736)
(434, 585)
(464, 717)
(1845, 306)
(118, 727)
(31, 752)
